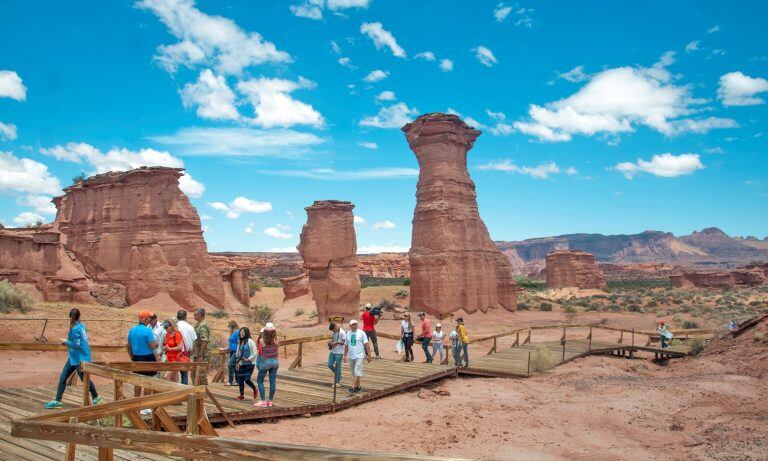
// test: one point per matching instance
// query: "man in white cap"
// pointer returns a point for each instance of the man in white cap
(356, 350)
(369, 327)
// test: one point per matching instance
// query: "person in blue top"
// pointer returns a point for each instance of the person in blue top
(142, 345)
(234, 339)
(78, 352)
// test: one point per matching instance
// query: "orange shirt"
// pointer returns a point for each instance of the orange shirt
(173, 341)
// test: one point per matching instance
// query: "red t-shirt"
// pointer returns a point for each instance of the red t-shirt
(426, 328)
(172, 341)
(369, 321)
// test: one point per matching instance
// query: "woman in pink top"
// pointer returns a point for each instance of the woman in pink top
(268, 364)
(426, 335)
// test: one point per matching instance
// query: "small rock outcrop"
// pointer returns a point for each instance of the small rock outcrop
(743, 276)
(295, 287)
(573, 268)
(454, 263)
(329, 246)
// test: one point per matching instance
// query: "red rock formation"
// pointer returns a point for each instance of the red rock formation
(642, 271)
(329, 246)
(387, 265)
(454, 263)
(573, 268)
(749, 276)
(236, 280)
(295, 287)
(264, 267)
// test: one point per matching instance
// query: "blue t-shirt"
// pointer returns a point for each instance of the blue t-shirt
(233, 340)
(140, 338)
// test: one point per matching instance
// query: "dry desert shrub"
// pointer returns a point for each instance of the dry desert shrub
(298, 312)
(11, 298)
(697, 344)
(260, 313)
(542, 359)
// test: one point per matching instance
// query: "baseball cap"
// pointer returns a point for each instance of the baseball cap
(145, 314)
(269, 326)
(368, 305)
(353, 322)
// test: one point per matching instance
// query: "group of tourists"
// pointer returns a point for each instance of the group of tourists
(247, 355)
(459, 340)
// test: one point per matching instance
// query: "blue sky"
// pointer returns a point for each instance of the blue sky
(610, 117)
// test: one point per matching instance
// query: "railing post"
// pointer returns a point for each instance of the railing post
(42, 339)
(563, 349)
(529, 363)
(590, 339)
(621, 336)
(192, 414)
(301, 351)
(633, 337)
(71, 447)
(337, 365)
(86, 388)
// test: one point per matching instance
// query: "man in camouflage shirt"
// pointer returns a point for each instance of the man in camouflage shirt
(201, 350)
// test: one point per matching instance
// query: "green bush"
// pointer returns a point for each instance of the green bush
(546, 307)
(690, 325)
(530, 284)
(313, 315)
(13, 299)
(368, 281)
(218, 314)
(697, 344)
(542, 359)
(299, 311)
(253, 287)
(260, 313)
(402, 293)
(521, 306)
(386, 305)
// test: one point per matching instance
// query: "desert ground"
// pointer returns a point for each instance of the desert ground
(707, 407)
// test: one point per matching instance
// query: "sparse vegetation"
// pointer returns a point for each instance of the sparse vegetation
(402, 293)
(545, 306)
(690, 325)
(78, 179)
(542, 359)
(697, 344)
(758, 335)
(218, 314)
(253, 287)
(368, 281)
(35, 224)
(260, 313)
(313, 314)
(13, 299)
(530, 284)
(298, 312)
(387, 305)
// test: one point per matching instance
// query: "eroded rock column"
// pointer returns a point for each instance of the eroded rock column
(573, 268)
(454, 263)
(329, 249)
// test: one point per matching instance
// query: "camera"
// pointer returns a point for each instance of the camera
(376, 310)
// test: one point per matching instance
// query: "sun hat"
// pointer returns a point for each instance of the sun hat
(353, 322)
(269, 326)
(438, 326)
(368, 305)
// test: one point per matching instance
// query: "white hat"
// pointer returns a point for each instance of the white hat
(368, 305)
(454, 334)
(269, 326)
(438, 326)
(353, 322)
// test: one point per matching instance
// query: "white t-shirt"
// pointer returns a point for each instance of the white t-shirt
(159, 333)
(188, 333)
(407, 327)
(339, 337)
(356, 341)
(437, 337)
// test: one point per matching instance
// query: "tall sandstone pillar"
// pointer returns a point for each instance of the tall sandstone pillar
(454, 263)
(329, 249)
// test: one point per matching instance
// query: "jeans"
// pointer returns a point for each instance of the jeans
(270, 366)
(231, 367)
(465, 348)
(334, 364)
(437, 346)
(456, 352)
(408, 344)
(65, 373)
(184, 377)
(425, 347)
(372, 338)
(244, 374)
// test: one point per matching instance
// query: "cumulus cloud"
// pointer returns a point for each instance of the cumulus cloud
(25, 175)
(27, 218)
(239, 142)
(693, 46)
(386, 224)
(394, 116)
(541, 171)
(522, 15)
(11, 86)
(121, 159)
(346, 62)
(467, 119)
(42, 204)
(368, 145)
(359, 220)
(274, 232)
(239, 206)
(249, 229)
(376, 75)
(425, 55)
(329, 174)
(386, 96)
(8, 131)
(274, 106)
(664, 165)
(388, 248)
(313, 9)
(382, 38)
(713, 29)
(616, 100)
(212, 97)
(446, 65)
(737, 89)
(208, 39)
(485, 56)
(574, 75)
(501, 12)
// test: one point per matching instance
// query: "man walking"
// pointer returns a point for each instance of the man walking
(369, 327)
(356, 351)
(426, 336)
(188, 334)
(142, 345)
(461, 330)
(201, 350)
(336, 347)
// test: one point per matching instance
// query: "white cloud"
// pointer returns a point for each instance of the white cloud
(343, 4)
(25, 175)
(386, 96)
(335, 48)
(274, 232)
(310, 9)
(241, 205)
(386, 224)
(571, 171)
(541, 171)
(212, 40)
(485, 56)
(346, 62)
(425, 55)
(713, 29)
(212, 96)
(11, 86)
(389, 248)
(394, 116)
(664, 165)
(501, 12)
(382, 38)
(283, 250)
(239, 142)
(329, 174)
(249, 229)
(576, 74)
(368, 145)
(467, 119)
(446, 65)
(693, 46)
(615, 100)
(495, 115)
(121, 159)
(26, 218)
(205, 217)
(376, 75)
(42, 204)
(8, 131)
(359, 220)
(274, 106)
(737, 89)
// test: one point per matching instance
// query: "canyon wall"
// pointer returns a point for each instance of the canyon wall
(752, 275)
(454, 263)
(573, 268)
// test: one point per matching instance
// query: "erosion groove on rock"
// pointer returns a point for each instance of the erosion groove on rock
(454, 263)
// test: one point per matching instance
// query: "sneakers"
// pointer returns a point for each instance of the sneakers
(146, 412)
(338, 385)
(53, 404)
(97, 400)
(239, 397)
(255, 394)
(228, 384)
(269, 403)
(261, 404)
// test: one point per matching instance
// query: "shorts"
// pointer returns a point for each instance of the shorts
(145, 358)
(356, 366)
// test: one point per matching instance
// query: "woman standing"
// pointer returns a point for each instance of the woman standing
(78, 352)
(245, 360)
(406, 332)
(437, 342)
(234, 340)
(173, 346)
(268, 364)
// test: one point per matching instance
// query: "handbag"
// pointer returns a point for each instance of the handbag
(184, 356)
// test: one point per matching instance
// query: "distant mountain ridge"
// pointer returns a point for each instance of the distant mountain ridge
(708, 247)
